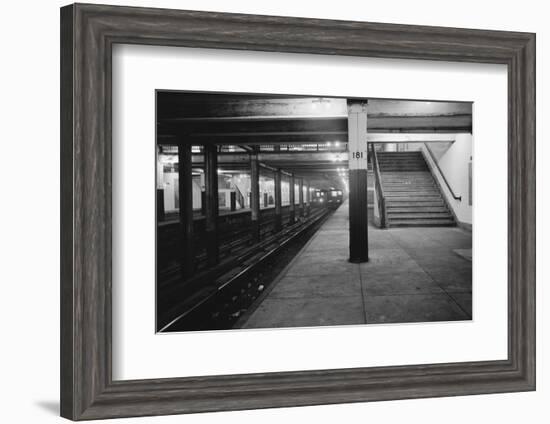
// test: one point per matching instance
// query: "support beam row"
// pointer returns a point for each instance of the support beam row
(210, 203)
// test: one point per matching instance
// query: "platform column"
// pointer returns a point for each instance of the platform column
(278, 209)
(358, 211)
(211, 203)
(255, 195)
(185, 193)
(292, 200)
(308, 198)
(301, 197)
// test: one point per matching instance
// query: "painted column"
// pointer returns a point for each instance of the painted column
(278, 202)
(255, 196)
(211, 203)
(358, 212)
(160, 188)
(185, 176)
(308, 198)
(292, 199)
(301, 197)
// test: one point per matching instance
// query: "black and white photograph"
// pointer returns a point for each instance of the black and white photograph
(277, 211)
(266, 212)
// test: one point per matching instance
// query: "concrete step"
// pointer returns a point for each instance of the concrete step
(419, 215)
(412, 173)
(404, 177)
(407, 175)
(401, 183)
(404, 180)
(386, 169)
(420, 172)
(405, 160)
(410, 188)
(398, 154)
(422, 223)
(412, 194)
(390, 204)
(399, 167)
(409, 183)
(417, 209)
(420, 201)
(396, 169)
(403, 174)
(422, 184)
(402, 160)
(412, 180)
(404, 199)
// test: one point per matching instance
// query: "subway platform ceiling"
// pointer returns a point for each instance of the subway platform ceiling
(306, 135)
(255, 119)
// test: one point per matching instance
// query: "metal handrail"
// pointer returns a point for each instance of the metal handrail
(240, 196)
(379, 191)
(459, 198)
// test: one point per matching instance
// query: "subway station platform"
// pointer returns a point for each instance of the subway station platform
(413, 275)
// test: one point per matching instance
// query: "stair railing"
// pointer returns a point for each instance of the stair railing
(432, 155)
(381, 199)
(240, 197)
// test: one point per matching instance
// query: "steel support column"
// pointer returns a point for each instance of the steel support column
(308, 198)
(185, 176)
(301, 197)
(292, 199)
(211, 203)
(278, 208)
(358, 208)
(255, 195)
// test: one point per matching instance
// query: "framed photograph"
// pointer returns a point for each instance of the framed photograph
(264, 211)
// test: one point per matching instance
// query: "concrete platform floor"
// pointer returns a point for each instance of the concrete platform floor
(413, 275)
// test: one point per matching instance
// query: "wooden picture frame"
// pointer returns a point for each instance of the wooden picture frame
(88, 33)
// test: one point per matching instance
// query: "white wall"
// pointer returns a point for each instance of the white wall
(198, 182)
(454, 164)
(170, 188)
(285, 192)
(30, 266)
(453, 160)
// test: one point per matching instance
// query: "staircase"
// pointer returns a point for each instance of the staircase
(412, 197)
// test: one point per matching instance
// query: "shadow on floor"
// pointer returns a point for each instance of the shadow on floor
(50, 406)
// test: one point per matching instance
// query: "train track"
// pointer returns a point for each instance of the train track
(224, 293)
(232, 243)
